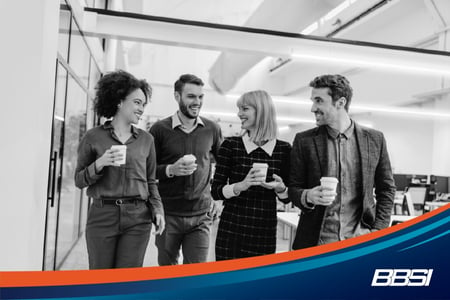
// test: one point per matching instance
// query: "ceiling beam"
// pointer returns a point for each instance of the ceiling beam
(175, 32)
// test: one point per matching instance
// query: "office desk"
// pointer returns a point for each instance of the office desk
(430, 205)
(395, 219)
(290, 219)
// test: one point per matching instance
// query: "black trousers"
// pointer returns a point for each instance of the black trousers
(117, 235)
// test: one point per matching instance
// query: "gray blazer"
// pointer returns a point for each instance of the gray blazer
(309, 162)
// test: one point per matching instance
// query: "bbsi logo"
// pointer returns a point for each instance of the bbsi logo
(402, 277)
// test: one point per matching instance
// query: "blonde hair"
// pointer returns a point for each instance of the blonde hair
(266, 125)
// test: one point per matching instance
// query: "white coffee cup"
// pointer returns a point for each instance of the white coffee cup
(189, 159)
(123, 150)
(329, 183)
(262, 167)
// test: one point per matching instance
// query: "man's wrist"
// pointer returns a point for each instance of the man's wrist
(97, 167)
(308, 202)
(282, 191)
(305, 201)
(169, 171)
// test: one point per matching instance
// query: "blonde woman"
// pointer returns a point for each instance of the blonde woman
(248, 222)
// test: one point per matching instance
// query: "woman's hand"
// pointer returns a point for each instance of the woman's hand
(254, 177)
(277, 185)
(107, 159)
(160, 224)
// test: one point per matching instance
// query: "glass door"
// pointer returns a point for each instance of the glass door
(55, 169)
(71, 198)
(67, 206)
(64, 200)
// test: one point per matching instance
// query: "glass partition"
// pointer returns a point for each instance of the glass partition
(71, 196)
(54, 194)
(73, 114)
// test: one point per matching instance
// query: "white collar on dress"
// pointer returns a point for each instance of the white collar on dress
(250, 146)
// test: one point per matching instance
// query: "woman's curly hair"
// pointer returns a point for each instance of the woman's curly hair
(113, 87)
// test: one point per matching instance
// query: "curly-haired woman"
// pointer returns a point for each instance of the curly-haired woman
(125, 195)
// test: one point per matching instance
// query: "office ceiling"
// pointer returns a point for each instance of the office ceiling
(409, 23)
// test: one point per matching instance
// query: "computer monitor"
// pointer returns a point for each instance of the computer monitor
(401, 181)
(441, 183)
(417, 179)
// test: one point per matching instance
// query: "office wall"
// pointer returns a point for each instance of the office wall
(29, 32)
(409, 141)
(441, 142)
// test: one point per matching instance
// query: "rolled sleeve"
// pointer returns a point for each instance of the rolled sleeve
(92, 175)
(85, 173)
(154, 198)
(156, 204)
(228, 191)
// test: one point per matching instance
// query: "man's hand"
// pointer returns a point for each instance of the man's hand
(320, 196)
(181, 168)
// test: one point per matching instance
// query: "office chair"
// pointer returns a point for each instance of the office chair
(414, 200)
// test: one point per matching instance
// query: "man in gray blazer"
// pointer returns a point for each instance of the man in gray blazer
(355, 155)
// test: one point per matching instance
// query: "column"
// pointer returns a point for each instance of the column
(29, 31)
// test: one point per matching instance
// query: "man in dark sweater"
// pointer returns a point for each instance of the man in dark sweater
(185, 186)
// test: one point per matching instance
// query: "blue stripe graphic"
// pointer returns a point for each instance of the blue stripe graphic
(427, 241)
(344, 274)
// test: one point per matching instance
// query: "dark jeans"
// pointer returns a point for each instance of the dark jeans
(189, 233)
(117, 235)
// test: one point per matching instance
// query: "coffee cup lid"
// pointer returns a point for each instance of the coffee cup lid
(260, 165)
(332, 179)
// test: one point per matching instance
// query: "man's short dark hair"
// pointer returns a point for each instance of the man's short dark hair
(338, 86)
(113, 88)
(186, 78)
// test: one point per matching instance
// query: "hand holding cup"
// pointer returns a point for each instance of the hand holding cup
(325, 193)
(277, 184)
(119, 154)
(255, 176)
(184, 166)
(115, 156)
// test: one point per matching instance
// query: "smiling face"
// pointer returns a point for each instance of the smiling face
(132, 107)
(190, 101)
(247, 114)
(323, 108)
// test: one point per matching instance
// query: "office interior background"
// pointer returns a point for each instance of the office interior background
(394, 52)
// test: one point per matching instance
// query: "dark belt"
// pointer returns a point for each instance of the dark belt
(119, 201)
